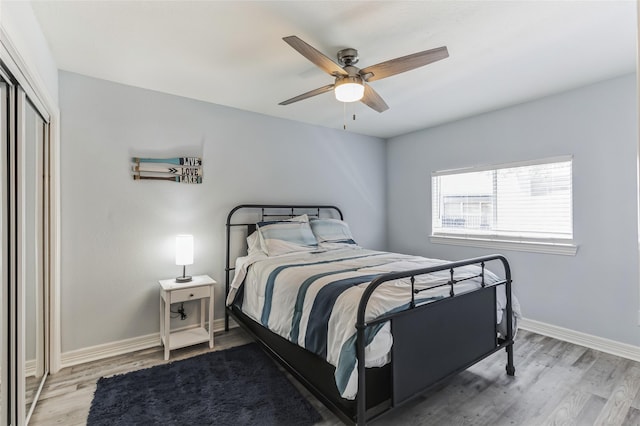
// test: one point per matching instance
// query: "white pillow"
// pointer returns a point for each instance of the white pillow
(287, 236)
(254, 245)
(332, 233)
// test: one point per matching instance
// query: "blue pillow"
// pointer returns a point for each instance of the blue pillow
(332, 233)
(287, 236)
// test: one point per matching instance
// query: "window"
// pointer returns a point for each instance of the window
(523, 206)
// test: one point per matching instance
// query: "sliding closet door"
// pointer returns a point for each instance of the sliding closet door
(32, 263)
(27, 266)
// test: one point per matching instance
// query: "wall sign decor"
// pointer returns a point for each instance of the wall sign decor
(176, 169)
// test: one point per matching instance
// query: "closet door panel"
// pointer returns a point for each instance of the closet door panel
(31, 247)
(4, 256)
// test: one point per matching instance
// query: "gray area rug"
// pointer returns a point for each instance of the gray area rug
(237, 386)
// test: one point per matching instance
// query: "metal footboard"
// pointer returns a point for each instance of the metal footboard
(477, 335)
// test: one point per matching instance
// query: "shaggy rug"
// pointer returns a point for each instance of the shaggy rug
(237, 386)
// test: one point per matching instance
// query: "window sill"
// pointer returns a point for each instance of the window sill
(566, 249)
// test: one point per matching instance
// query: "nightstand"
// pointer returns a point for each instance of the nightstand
(199, 288)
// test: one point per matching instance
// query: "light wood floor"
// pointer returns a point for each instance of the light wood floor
(556, 383)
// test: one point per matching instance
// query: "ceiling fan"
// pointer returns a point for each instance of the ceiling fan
(351, 82)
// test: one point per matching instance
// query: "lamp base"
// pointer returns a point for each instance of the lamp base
(183, 279)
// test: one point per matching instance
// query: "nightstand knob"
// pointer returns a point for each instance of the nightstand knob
(191, 295)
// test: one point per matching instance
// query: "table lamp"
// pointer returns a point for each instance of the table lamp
(184, 255)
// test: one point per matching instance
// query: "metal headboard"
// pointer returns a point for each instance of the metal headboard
(260, 212)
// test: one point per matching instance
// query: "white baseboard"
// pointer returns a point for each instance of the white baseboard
(98, 352)
(612, 347)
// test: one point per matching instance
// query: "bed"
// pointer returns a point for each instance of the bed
(365, 331)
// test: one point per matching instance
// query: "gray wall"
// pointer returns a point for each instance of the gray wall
(118, 235)
(594, 292)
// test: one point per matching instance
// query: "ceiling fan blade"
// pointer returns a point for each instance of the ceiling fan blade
(373, 100)
(404, 63)
(309, 94)
(315, 56)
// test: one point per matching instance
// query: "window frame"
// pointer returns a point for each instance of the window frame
(561, 246)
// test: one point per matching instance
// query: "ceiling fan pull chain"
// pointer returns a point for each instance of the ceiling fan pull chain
(344, 116)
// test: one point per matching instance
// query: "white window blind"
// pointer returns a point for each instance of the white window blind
(529, 201)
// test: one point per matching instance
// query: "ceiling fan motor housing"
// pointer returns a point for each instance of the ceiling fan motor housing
(348, 57)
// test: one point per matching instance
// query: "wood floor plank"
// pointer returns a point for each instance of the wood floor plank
(568, 410)
(603, 375)
(617, 407)
(590, 411)
(69, 409)
(632, 418)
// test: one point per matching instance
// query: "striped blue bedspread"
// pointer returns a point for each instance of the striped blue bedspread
(312, 299)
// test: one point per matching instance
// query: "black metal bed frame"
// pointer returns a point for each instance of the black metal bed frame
(463, 325)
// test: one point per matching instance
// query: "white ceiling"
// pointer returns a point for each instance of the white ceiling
(231, 52)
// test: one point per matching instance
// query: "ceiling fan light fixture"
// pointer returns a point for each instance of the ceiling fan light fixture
(349, 89)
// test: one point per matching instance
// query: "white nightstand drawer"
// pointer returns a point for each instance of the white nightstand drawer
(193, 293)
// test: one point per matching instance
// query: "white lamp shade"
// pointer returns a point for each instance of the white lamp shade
(184, 250)
(349, 90)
